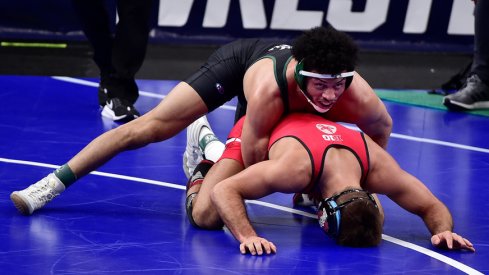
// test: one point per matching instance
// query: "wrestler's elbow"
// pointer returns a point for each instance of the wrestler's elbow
(254, 153)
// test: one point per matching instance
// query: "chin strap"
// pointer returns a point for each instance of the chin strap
(317, 108)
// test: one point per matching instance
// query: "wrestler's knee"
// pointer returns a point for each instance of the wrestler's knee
(205, 217)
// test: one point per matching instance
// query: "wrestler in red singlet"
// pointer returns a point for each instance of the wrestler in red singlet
(315, 133)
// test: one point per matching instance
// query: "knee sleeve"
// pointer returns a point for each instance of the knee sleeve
(189, 208)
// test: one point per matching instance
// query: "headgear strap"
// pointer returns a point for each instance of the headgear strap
(299, 75)
(329, 212)
(326, 76)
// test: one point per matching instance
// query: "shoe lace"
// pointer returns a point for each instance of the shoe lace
(41, 193)
(471, 81)
(193, 141)
(474, 88)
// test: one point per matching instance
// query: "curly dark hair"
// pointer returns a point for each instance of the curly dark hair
(326, 50)
(361, 224)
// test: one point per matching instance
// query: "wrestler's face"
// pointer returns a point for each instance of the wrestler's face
(325, 92)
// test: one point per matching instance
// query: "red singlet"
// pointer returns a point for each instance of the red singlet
(316, 134)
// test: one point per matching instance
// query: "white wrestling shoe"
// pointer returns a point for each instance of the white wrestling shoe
(37, 195)
(193, 154)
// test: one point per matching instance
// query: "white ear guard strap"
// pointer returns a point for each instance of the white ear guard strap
(317, 108)
(327, 76)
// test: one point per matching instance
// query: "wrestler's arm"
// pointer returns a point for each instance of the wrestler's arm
(228, 197)
(387, 177)
(373, 118)
(264, 110)
(287, 171)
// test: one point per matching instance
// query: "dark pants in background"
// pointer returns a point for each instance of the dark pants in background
(118, 49)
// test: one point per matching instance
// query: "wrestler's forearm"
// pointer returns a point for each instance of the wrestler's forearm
(380, 132)
(378, 126)
(438, 219)
(232, 211)
(254, 152)
(382, 140)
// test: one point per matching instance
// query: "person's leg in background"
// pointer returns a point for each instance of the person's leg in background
(129, 48)
(96, 25)
(475, 93)
(481, 41)
(118, 55)
(128, 52)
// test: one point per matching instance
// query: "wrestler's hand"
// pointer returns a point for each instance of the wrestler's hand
(256, 246)
(450, 240)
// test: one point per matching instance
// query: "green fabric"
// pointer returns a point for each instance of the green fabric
(65, 175)
(206, 140)
(419, 98)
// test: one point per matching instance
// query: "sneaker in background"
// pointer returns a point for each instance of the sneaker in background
(305, 200)
(119, 110)
(474, 95)
(103, 95)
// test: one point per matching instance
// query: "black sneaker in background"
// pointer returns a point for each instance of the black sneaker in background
(112, 86)
(103, 95)
(119, 110)
(474, 95)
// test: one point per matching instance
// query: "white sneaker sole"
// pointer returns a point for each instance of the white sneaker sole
(20, 204)
(475, 106)
(108, 113)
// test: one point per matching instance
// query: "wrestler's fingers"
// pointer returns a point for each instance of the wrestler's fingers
(247, 248)
(251, 248)
(463, 243)
(435, 240)
(242, 248)
(468, 242)
(269, 247)
(273, 248)
(448, 239)
(258, 247)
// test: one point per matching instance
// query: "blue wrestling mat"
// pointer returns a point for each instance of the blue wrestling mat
(128, 217)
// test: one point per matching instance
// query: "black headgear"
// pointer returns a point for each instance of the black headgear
(329, 212)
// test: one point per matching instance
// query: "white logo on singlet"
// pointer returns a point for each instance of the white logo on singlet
(219, 88)
(326, 128)
(280, 47)
(329, 130)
